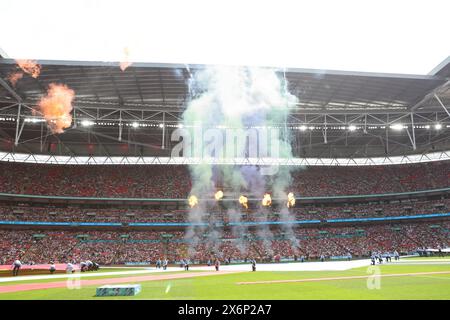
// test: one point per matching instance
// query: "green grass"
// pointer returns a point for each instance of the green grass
(223, 286)
(418, 258)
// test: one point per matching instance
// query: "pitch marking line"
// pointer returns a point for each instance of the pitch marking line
(343, 278)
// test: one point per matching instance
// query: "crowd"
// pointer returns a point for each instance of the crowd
(24, 212)
(155, 181)
(372, 209)
(114, 247)
(95, 181)
(230, 245)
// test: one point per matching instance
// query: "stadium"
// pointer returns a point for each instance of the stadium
(137, 180)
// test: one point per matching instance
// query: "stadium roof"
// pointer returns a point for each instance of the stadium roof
(329, 102)
(146, 85)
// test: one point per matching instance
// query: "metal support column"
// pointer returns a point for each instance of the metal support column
(413, 137)
(120, 125)
(163, 142)
(16, 141)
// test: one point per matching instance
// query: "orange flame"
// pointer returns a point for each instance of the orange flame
(126, 61)
(13, 77)
(291, 200)
(193, 201)
(29, 66)
(243, 201)
(267, 200)
(56, 107)
(218, 195)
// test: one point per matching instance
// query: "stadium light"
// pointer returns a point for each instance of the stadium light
(352, 128)
(87, 123)
(438, 126)
(397, 126)
(303, 128)
(161, 125)
(135, 124)
(34, 120)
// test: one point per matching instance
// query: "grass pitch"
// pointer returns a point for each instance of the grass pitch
(225, 286)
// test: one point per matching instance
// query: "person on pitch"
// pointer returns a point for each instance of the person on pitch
(388, 257)
(253, 265)
(95, 266)
(217, 264)
(52, 267)
(16, 267)
(396, 255)
(70, 268)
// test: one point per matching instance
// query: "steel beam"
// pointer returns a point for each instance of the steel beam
(120, 160)
(442, 105)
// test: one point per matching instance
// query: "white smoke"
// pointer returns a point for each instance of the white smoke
(235, 98)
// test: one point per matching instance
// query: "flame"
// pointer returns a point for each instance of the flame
(267, 200)
(126, 60)
(56, 107)
(29, 66)
(291, 200)
(13, 77)
(193, 201)
(243, 200)
(218, 195)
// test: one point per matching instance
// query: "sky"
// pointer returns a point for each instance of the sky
(410, 37)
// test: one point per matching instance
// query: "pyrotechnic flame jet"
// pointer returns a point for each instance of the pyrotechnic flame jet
(126, 60)
(29, 66)
(193, 201)
(267, 200)
(56, 107)
(218, 195)
(243, 200)
(291, 200)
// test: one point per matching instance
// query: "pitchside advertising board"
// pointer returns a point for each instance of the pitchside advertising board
(118, 290)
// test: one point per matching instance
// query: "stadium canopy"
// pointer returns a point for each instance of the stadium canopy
(132, 113)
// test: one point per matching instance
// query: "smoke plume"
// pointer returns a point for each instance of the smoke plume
(238, 112)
